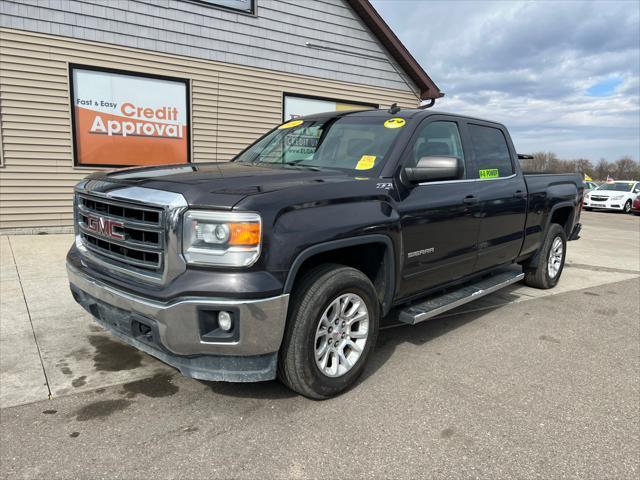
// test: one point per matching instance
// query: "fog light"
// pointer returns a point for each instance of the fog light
(224, 321)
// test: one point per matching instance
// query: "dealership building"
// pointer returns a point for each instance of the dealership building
(94, 84)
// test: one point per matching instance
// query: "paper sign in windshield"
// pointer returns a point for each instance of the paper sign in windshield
(395, 123)
(291, 124)
(489, 173)
(366, 162)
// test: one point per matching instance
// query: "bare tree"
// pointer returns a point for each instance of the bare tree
(624, 169)
(602, 169)
(582, 165)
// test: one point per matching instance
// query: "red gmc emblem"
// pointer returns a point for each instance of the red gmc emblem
(105, 227)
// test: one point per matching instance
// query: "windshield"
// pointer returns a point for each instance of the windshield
(617, 186)
(349, 143)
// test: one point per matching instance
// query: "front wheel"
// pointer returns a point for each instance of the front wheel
(331, 331)
(627, 207)
(547, 267)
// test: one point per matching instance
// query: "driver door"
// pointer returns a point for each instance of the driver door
(440, 219)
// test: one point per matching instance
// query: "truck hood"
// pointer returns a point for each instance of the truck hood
(222, 185)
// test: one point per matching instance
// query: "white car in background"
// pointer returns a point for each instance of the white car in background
(612, 196)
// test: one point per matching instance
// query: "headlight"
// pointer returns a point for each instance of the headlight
(227, 239)
(617, 197)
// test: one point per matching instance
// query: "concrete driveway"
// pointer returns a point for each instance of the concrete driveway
(546, 385)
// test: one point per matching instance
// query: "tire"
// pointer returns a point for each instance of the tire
(312, 312)
(588, 209)
(627, 207)
(538, 275)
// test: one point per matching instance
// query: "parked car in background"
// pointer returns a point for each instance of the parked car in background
(635, 206)
(613, 196)
(588, 186)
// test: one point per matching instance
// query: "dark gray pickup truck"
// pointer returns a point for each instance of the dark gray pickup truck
(285, 261)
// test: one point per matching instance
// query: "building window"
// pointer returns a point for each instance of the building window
(245, 6)
(124, 119)
(295, 106)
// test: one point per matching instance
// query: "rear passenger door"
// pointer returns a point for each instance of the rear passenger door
(502, 192)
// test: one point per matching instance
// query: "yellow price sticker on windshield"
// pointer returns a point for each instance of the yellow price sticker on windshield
(489, 173)
(395, 123)
(291, 124)
(366, 162)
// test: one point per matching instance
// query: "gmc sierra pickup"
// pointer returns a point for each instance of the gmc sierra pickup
(283, 262)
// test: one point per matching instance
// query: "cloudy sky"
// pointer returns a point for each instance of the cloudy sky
(564, 76)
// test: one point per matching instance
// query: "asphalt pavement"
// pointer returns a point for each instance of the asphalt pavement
(522, 384)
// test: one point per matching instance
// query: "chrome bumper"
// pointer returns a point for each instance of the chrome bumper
(177, 327)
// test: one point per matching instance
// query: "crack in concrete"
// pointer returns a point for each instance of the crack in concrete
(26, 304)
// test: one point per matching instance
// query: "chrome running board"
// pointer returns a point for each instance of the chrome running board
(420, 312)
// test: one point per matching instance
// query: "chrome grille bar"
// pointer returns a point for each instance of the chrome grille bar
(134, 237)
(135, 214)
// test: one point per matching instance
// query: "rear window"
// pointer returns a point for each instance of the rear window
(491, 152)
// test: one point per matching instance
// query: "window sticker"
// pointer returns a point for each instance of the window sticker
(395, 123)
(489, 173)
(366, 162)
(291, 124)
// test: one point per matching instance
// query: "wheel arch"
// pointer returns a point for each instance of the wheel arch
(563, 214)
(380, 266)
(564, 211)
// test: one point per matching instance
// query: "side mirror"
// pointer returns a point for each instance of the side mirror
(434, 168)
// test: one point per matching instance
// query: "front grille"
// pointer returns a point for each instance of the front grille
(596, 198)
(125, 233)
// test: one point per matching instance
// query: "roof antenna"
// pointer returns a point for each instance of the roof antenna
(394, 109)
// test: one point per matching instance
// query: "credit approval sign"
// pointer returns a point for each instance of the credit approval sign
(124, 119)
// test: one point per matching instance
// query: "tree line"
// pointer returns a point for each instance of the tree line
(623, 169)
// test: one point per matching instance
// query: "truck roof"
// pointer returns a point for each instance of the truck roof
(406, 113)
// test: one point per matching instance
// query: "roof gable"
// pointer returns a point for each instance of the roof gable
(373, 20)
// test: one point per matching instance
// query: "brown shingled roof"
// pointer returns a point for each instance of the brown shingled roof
(373, 20)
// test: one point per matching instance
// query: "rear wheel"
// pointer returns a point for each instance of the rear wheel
(331, 331)
(549, 263)
(627, 207)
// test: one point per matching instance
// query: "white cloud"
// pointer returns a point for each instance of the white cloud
(530, 64)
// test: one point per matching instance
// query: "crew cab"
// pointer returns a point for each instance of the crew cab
(612, 196)
(284, 261)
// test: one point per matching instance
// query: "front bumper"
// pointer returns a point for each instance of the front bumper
(173, 332)
(606, 204)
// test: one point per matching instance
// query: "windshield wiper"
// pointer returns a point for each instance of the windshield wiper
(297, 163)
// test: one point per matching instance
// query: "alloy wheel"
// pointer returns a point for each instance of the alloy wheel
(341, 335)
(555, 257)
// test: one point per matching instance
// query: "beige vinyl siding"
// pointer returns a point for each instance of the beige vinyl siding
(231, 106)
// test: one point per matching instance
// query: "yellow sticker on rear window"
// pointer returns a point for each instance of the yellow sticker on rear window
(489, 173)
(366, 162)
(291, 124)
(395, 123)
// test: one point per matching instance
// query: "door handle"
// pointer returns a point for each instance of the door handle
(519, 194)
(471, 200)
